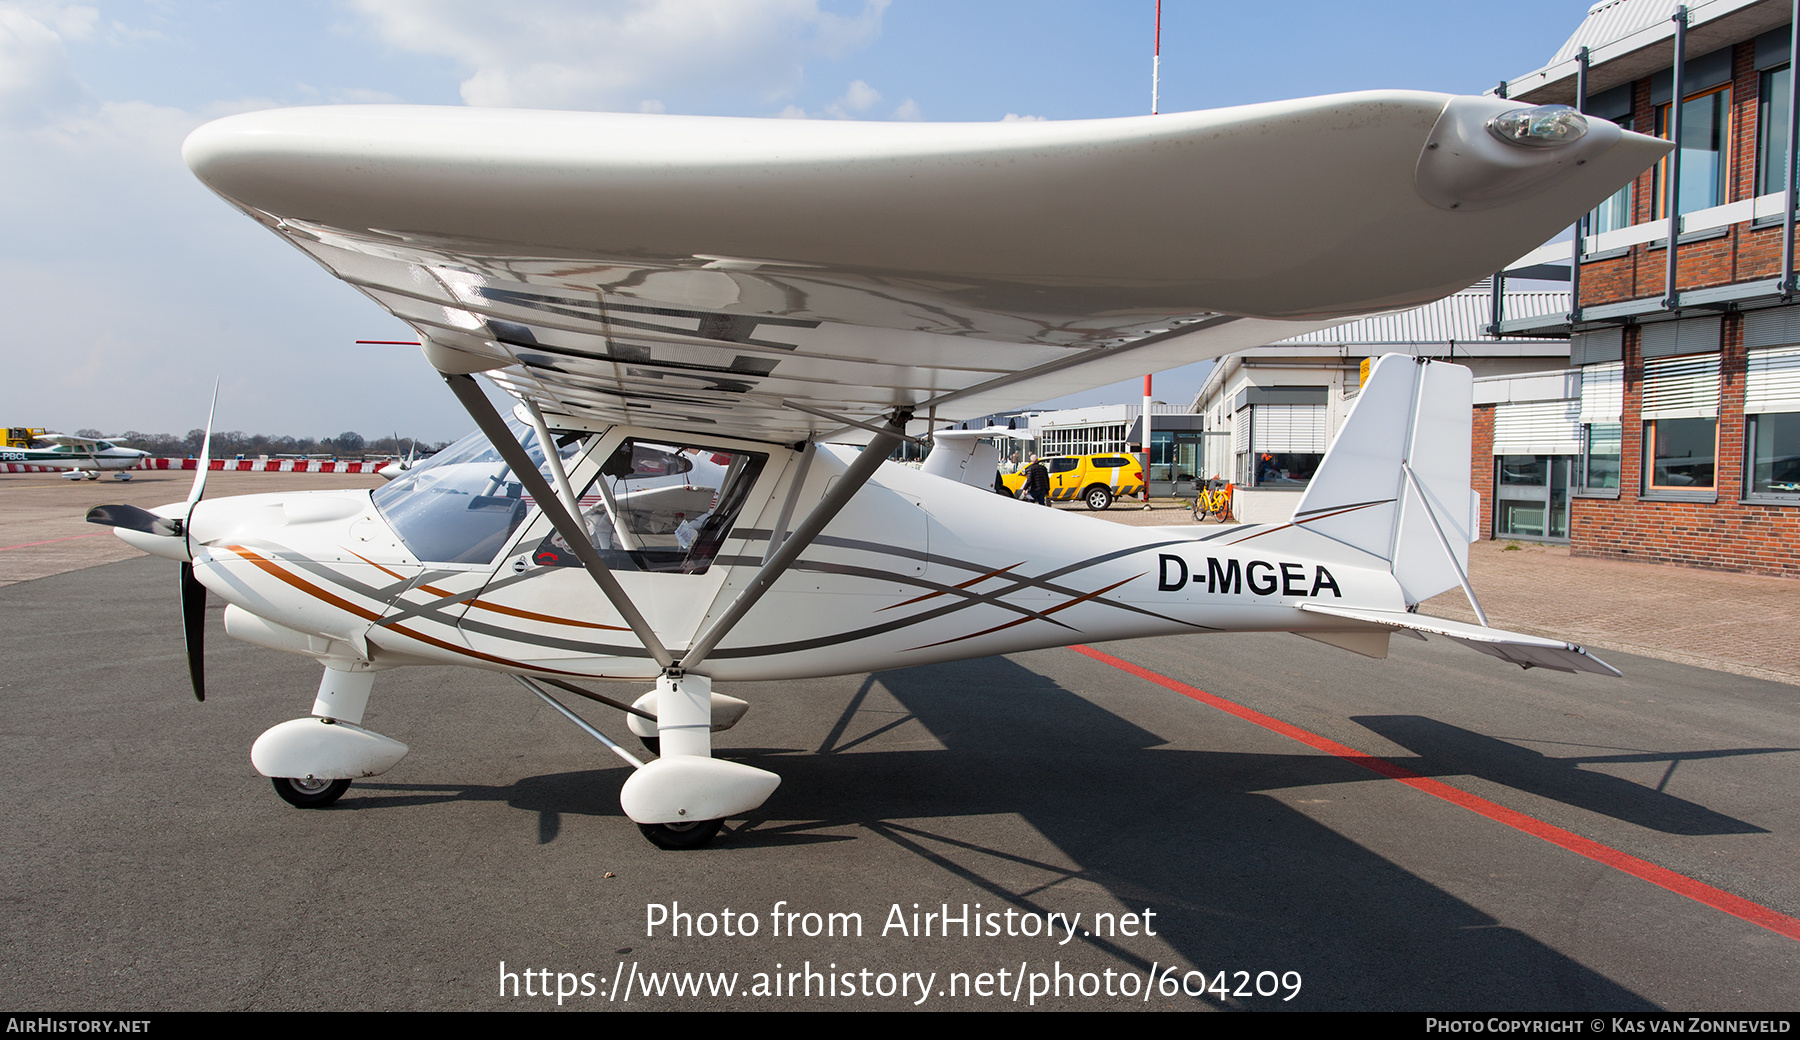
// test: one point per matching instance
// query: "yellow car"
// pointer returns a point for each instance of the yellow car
(1095, 479)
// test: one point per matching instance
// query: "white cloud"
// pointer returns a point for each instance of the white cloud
(37, 81)
(909, 110)
(1014, 117)
(858, 97)
(142, 283)
(617, 54)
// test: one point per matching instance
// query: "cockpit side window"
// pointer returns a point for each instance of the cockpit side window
(660, 507)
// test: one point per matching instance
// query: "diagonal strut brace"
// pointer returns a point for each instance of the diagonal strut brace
(488, 420)
(858, 474)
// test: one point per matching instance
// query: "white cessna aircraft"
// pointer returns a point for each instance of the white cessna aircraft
(81, 457)
(698, 312)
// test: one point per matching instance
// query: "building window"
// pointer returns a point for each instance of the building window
(1772, 131)
(1601, 452)
(1680, 453)
(1602, 403)
(1082, 440)
(1705, 145)
(1281, 444)
(1774, 462)
(1681, 422)
(1286, 469)
(1615, 212)
(1772, 424)
(1162, 454)
(1531, 496)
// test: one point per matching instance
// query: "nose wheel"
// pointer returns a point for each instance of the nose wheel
(310, 793)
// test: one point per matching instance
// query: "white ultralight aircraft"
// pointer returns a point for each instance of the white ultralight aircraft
(81, 457)
(695, 313)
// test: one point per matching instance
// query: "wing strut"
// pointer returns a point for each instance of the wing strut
(807, 450)
(580, 543)
(873, 455)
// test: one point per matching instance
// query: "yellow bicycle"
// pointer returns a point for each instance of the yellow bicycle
(1213, 498)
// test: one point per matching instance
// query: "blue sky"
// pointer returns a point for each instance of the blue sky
(130, 287)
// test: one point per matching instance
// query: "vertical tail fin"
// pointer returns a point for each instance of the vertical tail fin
(1395, 482)
(968, 456)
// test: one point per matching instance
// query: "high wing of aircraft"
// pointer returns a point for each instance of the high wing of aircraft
(700, 317)
(81, 457)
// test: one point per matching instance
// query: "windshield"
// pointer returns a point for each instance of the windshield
(463, 504)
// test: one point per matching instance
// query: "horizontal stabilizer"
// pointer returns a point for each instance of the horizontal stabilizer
(1522, 650)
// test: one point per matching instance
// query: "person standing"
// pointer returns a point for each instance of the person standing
(1037, 483)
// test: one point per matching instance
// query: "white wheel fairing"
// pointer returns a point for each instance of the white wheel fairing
(316, 749)
(686, 789)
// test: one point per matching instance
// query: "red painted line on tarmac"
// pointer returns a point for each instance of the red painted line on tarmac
(1680, 884)
(51, 541)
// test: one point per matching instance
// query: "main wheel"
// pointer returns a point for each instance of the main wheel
(681, 835)
(1099, 497)
(652, 745)
(309, 793)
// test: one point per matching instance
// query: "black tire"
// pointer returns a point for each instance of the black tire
(1099, 497)
(652, 745)
(309, 794)
(677, 836)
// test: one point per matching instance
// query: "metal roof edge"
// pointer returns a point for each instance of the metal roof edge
(1662, 31)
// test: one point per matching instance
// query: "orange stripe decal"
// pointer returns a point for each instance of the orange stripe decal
(531, 616)
(495, 607)
(392, 574)
(270, 567)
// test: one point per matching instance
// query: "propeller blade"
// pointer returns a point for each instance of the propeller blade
(132, 518)
(205, 452)
(199, 487)
(193, 618)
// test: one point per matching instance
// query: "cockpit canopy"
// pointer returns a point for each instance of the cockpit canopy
(651, 506)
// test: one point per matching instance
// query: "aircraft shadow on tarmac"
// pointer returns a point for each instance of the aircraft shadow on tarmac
(1446, 750)
(1240, 879)
(1026, 794)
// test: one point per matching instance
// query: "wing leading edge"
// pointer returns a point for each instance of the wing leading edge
(764, 277)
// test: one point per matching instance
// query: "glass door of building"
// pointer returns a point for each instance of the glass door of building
(1531, 496)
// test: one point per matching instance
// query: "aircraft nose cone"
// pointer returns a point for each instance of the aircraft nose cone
(234, 519)
(167, 546)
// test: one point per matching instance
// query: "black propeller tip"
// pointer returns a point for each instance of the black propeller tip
(193, 618)
(133, 518)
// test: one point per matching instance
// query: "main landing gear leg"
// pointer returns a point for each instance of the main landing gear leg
(680, 800)
(311, 761)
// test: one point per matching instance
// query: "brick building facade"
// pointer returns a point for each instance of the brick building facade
(1689, 415)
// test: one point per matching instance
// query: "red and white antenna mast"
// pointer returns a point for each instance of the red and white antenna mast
(1156, 63)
